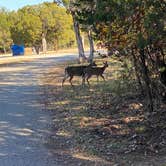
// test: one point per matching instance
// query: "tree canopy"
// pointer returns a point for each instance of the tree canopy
(5, 35)
(30, 24)
(136, 28)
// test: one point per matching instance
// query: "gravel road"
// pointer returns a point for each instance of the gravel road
(24, 126)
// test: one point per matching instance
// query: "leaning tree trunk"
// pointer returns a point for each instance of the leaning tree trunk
(91, 44)
(82, 56)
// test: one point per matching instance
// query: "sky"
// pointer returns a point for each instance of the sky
(16, 4)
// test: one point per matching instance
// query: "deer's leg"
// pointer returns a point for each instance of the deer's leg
(64, 79)
(87, 79)
(102, 77)
(71, 77)
(83, 80)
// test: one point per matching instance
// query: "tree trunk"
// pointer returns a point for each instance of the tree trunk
(82, 56)
(37, 49)
(44, 43)
(83, 40)
(4, 49)
(91, 56)
(147, 80)
(137, 71)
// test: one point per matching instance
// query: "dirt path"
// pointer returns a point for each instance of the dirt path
(26, 130)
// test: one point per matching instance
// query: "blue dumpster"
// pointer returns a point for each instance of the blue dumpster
(17, 49)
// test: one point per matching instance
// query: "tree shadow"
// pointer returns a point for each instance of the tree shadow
(99, 121)
(27, 133)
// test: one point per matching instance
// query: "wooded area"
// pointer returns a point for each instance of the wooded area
(135, 29)
(45, 26)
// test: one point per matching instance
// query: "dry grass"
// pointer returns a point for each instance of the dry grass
(100, 119)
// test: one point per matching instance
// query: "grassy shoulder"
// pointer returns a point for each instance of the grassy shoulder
(102, 120)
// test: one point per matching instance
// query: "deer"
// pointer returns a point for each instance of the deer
(94, 70)
(71, 71)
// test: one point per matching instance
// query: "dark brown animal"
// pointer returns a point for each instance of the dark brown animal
(72, 71)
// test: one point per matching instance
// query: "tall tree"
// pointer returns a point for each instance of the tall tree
(26, 28)
(130, 25)
(5, 36)
(42, 25)
(72, 10)
(84, 15)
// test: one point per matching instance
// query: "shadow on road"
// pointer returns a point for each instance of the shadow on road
(27, 133)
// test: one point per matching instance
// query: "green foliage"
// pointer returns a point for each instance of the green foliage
(28, 24)
(28, 30)
(141, 42)
(5, 36)
(162, 69)
(134, 26)
(116, 21)
(59, 27)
